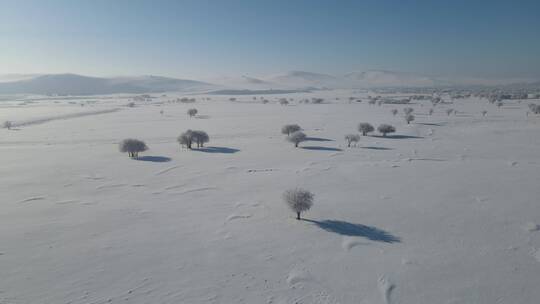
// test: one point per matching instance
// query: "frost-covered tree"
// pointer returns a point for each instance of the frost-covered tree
(484, 113)
(352, 138)
(408, 110)
(186, 139)
(394, 112)
(409, 118)
(200, 138)
(132, 147)
(385, 129)
(299, 200)
(288, 129)
(192, 112)
(365, 128)
(449, 111)
(297, 137)
(8, 124)
(431, 111)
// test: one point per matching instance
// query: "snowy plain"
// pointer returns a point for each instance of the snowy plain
(446, 210)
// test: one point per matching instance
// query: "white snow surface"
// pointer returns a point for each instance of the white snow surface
(443, 211)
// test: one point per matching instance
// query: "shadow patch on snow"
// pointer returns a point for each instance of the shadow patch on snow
(439, 124)
(377, 148)
(399, 136)
(224, 150)
(318, 148)
(351, 229)
(155, 159)
(318, 139)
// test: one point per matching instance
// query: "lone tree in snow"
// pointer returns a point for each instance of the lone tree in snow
(385, 129)
(431, 111)
(352, 138)
(484, 113)
(365, 128)
(449, 111)
(409, 118)
(297, 137)
(8, 124)
(408, 110)
(192, 112)
(394, 112)
(288, 129)
(299, 200)
(132, 147)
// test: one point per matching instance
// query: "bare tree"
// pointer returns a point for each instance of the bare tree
(350, 138)
(385, 129)
(288, 129)
(192, 112)
(132, 147)
(408, 110)
(8, 124)
(394, 112)
(365, 128)
(200, 138)
(299, 200)
(297, 137)
(409, 118)
(186, 139)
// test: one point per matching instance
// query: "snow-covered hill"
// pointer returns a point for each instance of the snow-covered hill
(72, 84)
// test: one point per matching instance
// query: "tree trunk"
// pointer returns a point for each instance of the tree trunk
(297, 215)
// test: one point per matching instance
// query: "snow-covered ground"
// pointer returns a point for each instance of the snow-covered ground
(446, 210)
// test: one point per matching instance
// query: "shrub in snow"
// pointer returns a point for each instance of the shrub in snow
(232, 99)
(350, 138)
(409, 118)
(299, 200)
(264, 101)
(408, 110)
(385, 129)
(394, 112)
(288, 129)
(130, 105)
(283, 101)
(484, 113)
(161, 112)
(192, 112)
(132, 147)
(317, 100)
(430, 111)
(449, 111)
(365, 128)
(8, 124)
(297, 137)
(499, 104)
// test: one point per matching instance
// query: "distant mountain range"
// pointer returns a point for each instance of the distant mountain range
(72, 84)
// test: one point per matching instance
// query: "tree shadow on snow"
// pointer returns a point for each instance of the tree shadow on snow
(217, 150)
(351, 229)
(399, 136)
(376, 148)
(317, 139)
(321, 148)
(155, 159)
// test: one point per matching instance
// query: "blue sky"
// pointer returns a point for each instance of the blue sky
(201, 39)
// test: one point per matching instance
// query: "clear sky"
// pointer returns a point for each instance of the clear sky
(199, 39)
